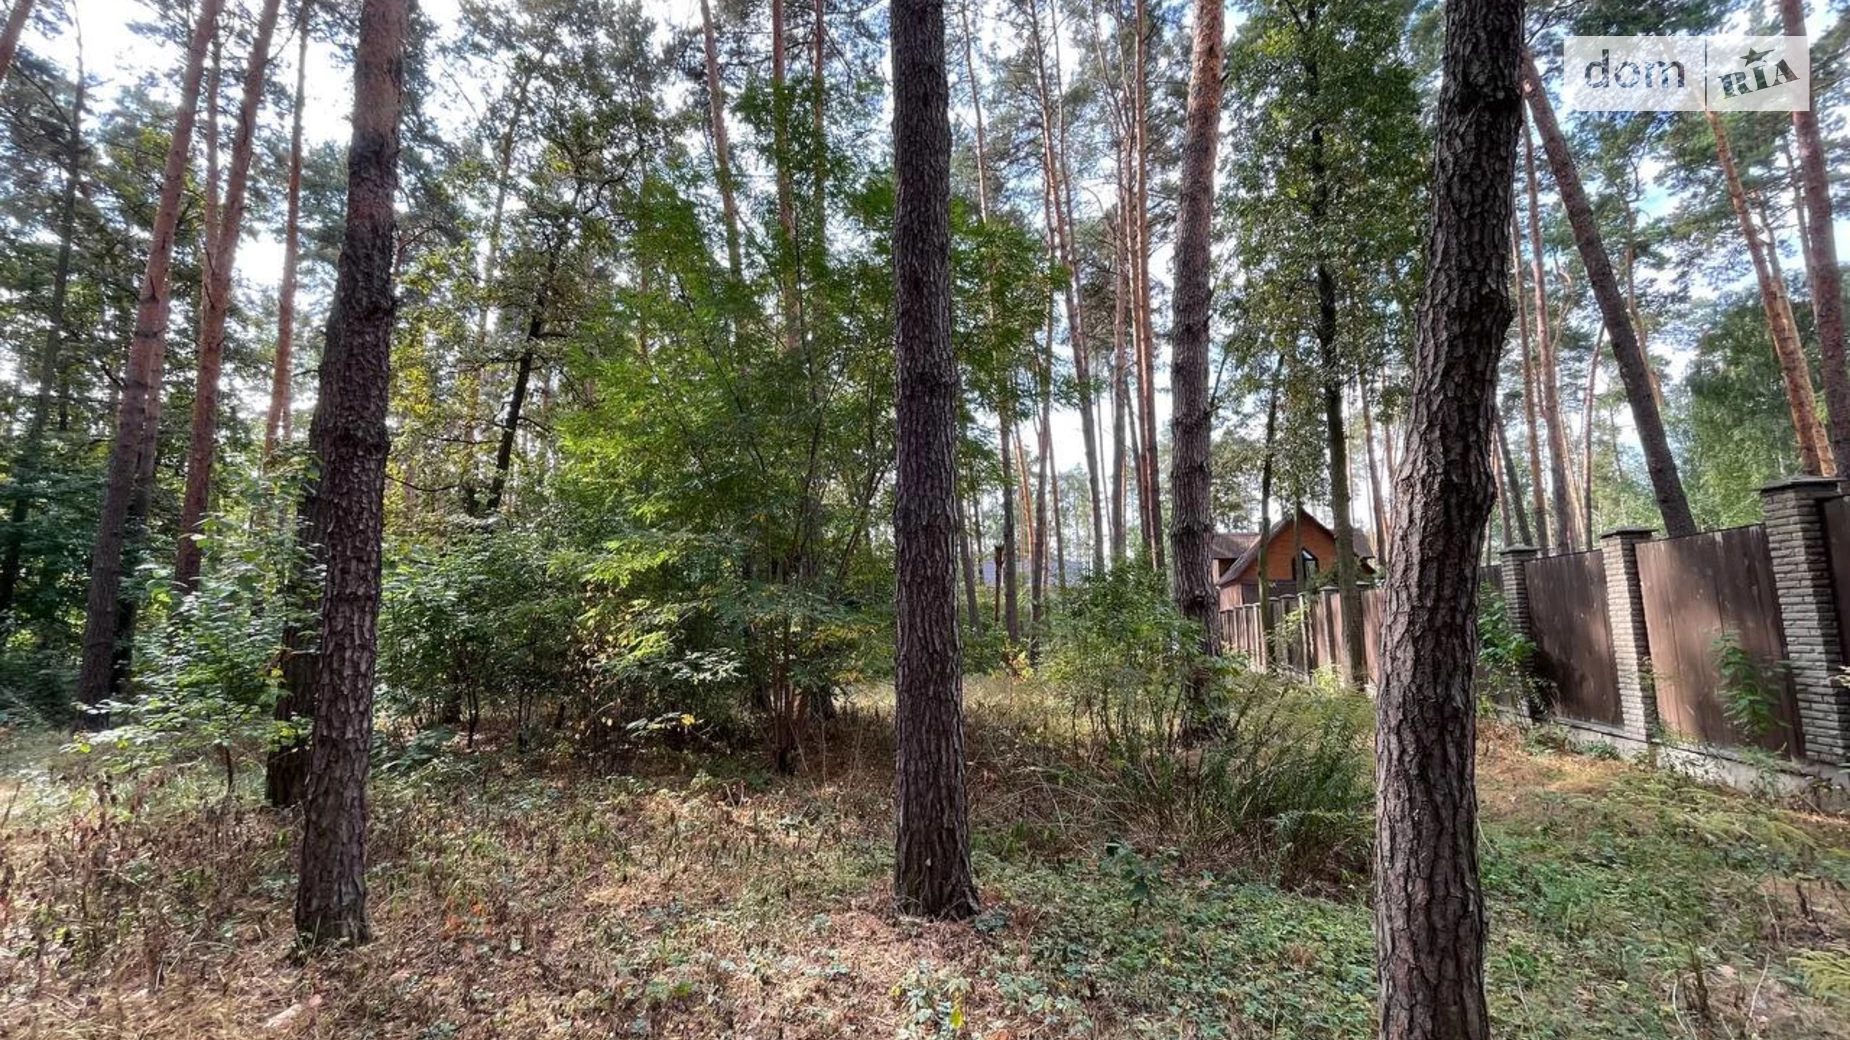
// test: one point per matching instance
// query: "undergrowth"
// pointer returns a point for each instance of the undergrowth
(701, 894)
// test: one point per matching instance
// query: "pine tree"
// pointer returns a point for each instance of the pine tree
(932, 871)
(351, 414)
(1429, 906)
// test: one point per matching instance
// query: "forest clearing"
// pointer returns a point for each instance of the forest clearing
(700, 895)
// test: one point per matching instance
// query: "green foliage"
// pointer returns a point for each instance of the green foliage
(1734, 416)
(1826, 972)
(1283, 763)
(208, 664)
(1505, 659)
(1750, 691)
(931, 1002)
(486, 620)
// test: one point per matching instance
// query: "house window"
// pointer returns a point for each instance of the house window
(1306, 568)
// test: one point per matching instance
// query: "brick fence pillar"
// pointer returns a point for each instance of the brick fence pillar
(1808, 607)
(1515, 582)
(1631, 649)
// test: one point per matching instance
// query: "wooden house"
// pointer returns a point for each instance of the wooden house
(1298, 549)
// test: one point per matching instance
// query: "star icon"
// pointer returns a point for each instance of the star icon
(1754, 57)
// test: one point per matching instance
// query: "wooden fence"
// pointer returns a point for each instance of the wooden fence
(1573, 635)
(1691, 646)
(1703, 592)
(1307, 632)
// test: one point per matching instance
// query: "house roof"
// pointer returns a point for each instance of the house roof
(1246, 544)
(1228, 545)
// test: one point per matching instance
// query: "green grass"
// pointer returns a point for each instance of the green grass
(704, 897)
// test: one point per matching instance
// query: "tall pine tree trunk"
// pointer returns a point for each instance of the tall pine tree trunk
(1546, 374)
(1148, 484)
(1511, 491)
(1054, 163)
(351, 408)
(722, 143)
(1586, 427)
(1827, 294)
(276, 421)
(1634, 367)
(1266, 469)
(1192, 421)
(1376, 507)
(203, 446)
(932, 874)
(1429, 904)
(1530, 393)
(1814, 450)
(132, 449)
(9, 37)
(1120, 385)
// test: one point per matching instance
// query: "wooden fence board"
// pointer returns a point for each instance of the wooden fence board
(1837, 542)
(1573, 643)
(1317, 639)
(1697, 589)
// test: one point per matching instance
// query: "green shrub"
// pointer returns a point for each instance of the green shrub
(1505, 661)
(1750, 691)
(486, 621)
(1282, 764)
(207, 665)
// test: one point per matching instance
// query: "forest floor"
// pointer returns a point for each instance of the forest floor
(698, 896)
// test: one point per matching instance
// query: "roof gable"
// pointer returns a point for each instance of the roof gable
(1250, 554)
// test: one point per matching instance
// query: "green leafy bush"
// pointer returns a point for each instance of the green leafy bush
(1283, 764)
(486, 621)
(1750, 691)
(207, 664)
(1505, 661)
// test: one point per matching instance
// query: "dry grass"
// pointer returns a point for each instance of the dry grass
(701, 897)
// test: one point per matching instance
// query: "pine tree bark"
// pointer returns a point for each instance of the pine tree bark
(133, 446)
(282, 373)
(1634, 367)
(27, 469)
(1192, 421)
(1529, 396)
(1566, 536)
(1826, 279)
(1512, 490)
(1376, 507)
(969, 563)
(1429, 904)
(1054, 162)
(355, 391)
(1148, 485)
(932, 873)
(1009, 572)
(1120, 384)
(1586, 428)
(722, 143)
(9, 37)
(1793, 369)
(1266, 469)
(1037, 572)
(203, 445)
